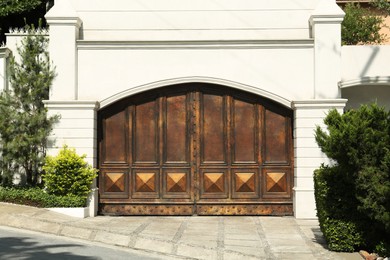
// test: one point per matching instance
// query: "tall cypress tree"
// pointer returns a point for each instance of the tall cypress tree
(24, 124)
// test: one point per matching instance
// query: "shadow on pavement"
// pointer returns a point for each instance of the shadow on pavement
(27, 248)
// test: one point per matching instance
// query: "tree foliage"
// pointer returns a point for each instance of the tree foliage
(8, 7)
(359, 142)
(24, 125)
(18, 13)
(360, 26)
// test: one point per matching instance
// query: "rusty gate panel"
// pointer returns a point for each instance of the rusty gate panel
(195, 149)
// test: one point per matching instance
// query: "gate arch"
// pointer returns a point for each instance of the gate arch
(184, 80)
(195, 148)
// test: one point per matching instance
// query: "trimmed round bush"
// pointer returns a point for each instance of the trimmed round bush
(68, 174)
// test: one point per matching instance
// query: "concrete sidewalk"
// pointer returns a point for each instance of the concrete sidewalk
(192, 237)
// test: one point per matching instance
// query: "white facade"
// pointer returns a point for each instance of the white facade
(287, 51)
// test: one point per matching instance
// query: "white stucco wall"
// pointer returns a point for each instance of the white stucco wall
(175, 20)
(282, 71)
(288, 51)
(366, 75)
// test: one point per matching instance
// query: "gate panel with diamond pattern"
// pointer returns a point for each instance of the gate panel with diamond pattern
(195, 149)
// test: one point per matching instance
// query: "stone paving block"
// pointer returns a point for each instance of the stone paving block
(196, 252)
(112, 238)
(59, 218)
(236, 256)
(290, 249)
(300, 256)
(189, 236)
(154, 245)
(253, 251)
(76, 232)
(35, 225)
(280, 230)
(242, 242)
(307, 222)
(294, 241)
(158, 236)
(200, 233)
(284, 236)
(242, 236)
(199, 242)
(241, 231)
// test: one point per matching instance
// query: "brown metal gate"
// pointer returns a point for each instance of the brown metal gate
(195, 149)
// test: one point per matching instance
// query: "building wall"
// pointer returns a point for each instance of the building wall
(365, 75)
(288, 51)
(281, 71)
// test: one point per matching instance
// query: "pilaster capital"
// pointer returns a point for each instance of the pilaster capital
(327, 12)
(63, 13)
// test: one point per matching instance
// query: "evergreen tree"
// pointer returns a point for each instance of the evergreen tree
(24, 125)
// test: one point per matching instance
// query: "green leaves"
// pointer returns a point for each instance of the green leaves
(24, 125)
(360, 26)
(8, 7)
(357, 189)
(68, 174)
(39, 198)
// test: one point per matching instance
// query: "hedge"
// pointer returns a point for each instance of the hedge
(353, 193)
(39, 198)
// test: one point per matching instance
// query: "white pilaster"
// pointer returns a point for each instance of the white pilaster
(4, 53)
(77, 128)
(64, 32)
(326, 29)
(308, 156)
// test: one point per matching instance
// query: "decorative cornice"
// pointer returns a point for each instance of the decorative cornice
(318, 103)
(63, 13)
(64, 21)
(231, 44)
(4, 52)
(374, 80)
(327, 12)
(71, 104)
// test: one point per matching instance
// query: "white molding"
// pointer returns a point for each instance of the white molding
(318, 103)
(175, 81)
(225, 44)
(74, 104)
(327, 12)
(373, 80)
(63, 13)
(4, 52)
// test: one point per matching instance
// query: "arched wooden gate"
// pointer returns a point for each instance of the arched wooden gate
(195, 149)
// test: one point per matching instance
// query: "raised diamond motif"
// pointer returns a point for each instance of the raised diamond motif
(145, 182)
(213, 182)
(245, 181)
(276, 182)
(176, 182)
(115, 182)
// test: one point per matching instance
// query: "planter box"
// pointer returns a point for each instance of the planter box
(73, 212)
(89, 211)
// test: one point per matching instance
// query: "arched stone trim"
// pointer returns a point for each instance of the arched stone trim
(373, 80)
(283, 101)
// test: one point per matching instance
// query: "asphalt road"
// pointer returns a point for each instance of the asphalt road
(21, 244)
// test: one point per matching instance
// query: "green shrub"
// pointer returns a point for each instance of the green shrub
(38, 198)
(360, 26)
(336, 204)
(357, 189)
(68, 174)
